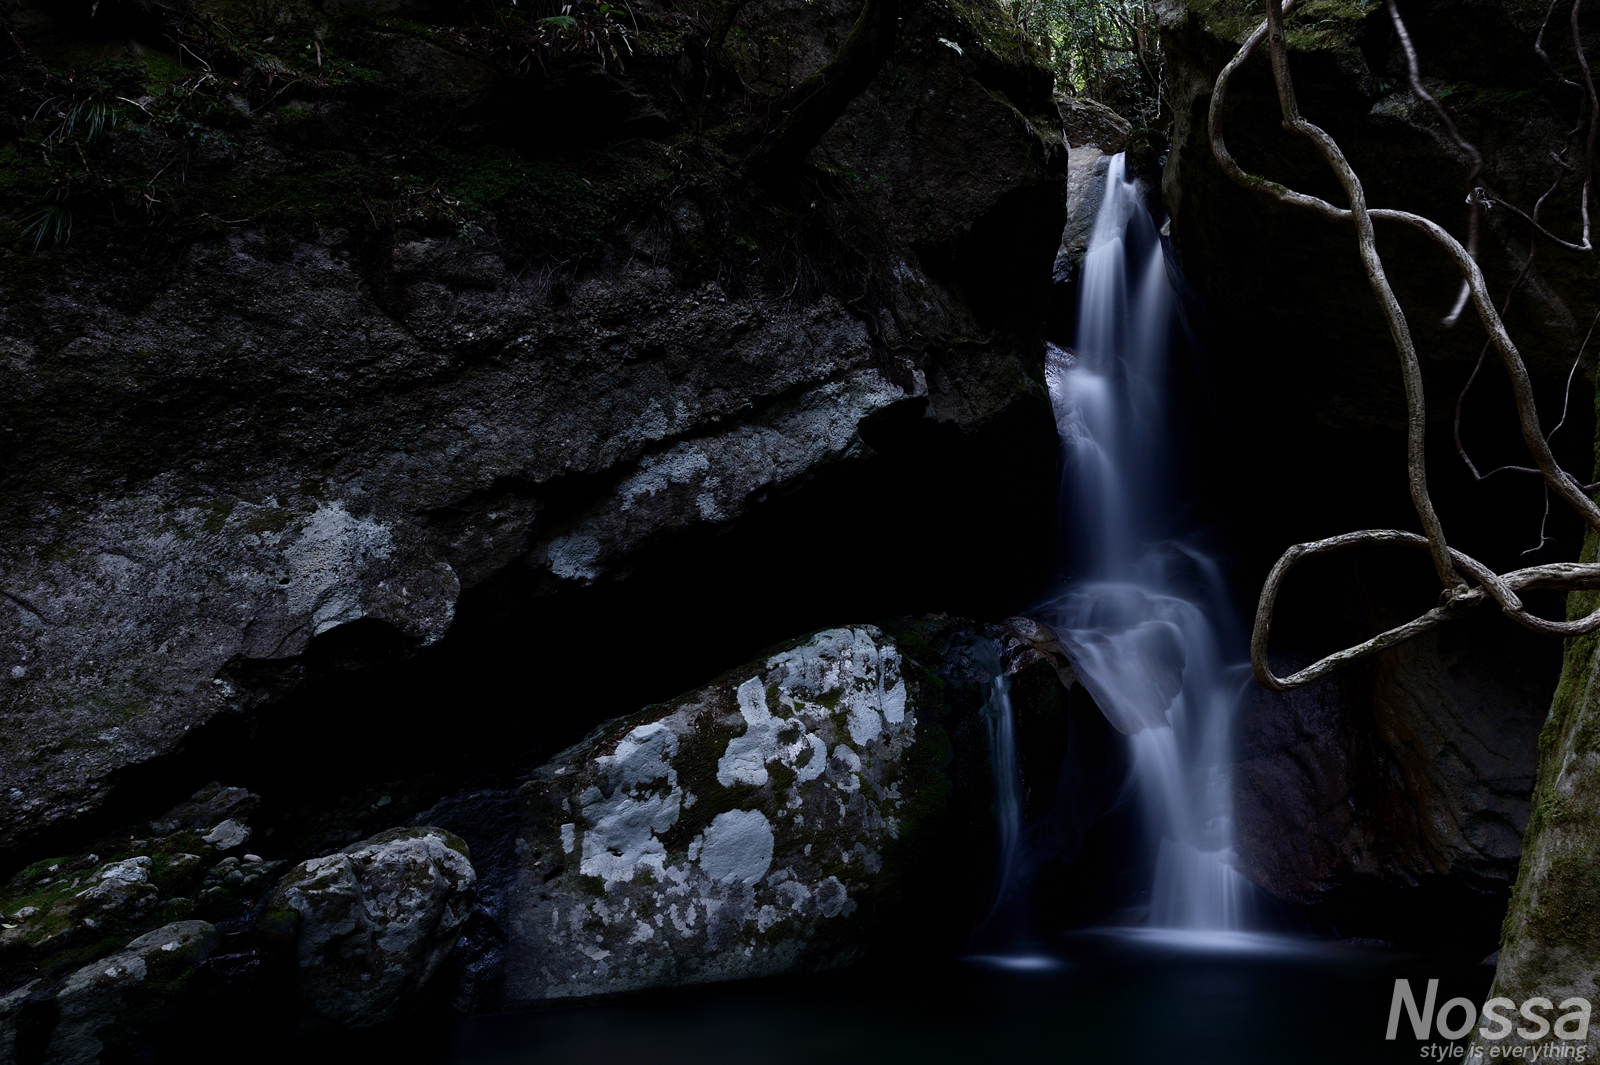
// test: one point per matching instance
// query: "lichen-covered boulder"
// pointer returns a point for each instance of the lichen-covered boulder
(744, 830)
(372, 922)
(69, 1021)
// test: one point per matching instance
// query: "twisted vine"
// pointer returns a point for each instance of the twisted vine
(1449, 563)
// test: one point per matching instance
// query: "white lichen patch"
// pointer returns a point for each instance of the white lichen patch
(745, 760)
(327, 562)
(623, 827)
(796, 768)
(738, 846)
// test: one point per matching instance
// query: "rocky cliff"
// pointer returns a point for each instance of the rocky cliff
(344, 333)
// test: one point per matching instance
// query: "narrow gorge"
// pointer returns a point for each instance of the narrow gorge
(731, 530)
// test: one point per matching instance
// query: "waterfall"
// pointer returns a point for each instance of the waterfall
(1142, 617)
(1008, 914)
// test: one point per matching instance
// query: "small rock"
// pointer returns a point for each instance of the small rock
(112, 895)
(374, 921)
(25, 913)
(253, 858)
(209, 805)
(133, 870)
(96, 1000)
(228, 835)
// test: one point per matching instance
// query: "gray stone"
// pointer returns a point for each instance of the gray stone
(1086, 187)
(373, 922)
(206, 808)
(228, 835)
(92, 1003)
(132, 870)
(1091, 124)
(1410, 775)
(733, 833)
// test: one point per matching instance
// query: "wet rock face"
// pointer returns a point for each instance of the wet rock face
(1086, 187)
(1391, 801)
(744, 830)
(373, 922)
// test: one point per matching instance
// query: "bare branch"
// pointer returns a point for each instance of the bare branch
(1560, 575)
(1399, 328)
(1501, 589)
(1461, 142)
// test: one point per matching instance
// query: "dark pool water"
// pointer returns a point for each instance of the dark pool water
(1087, 997)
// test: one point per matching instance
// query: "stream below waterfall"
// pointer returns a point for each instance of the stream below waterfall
(1089, 997)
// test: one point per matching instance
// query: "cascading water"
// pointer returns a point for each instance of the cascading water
(1007, 920)
(1140, 617)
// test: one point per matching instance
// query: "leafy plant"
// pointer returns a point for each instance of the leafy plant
(91, 117)
(52, 222)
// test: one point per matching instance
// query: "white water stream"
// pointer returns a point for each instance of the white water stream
(1139, 616)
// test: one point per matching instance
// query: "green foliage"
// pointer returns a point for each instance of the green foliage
(88, 118)
(1108, 50)
(51, 223)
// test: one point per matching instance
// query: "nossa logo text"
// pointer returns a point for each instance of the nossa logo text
(1458, 1016)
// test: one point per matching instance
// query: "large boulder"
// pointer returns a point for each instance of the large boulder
(372, 923)
(798, 813)
(745, 830)
(1390, 800)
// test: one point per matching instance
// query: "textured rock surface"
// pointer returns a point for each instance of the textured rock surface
(1392, 800)
(733, 834)
(70, 1021)
(373, 922)
(191, 861)
(223, 445)
(788, 817)
(1086, 187)
(1550, 945)
(1086, 123)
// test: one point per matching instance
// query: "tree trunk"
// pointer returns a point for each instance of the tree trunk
(1550, 945)
(819, 100)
